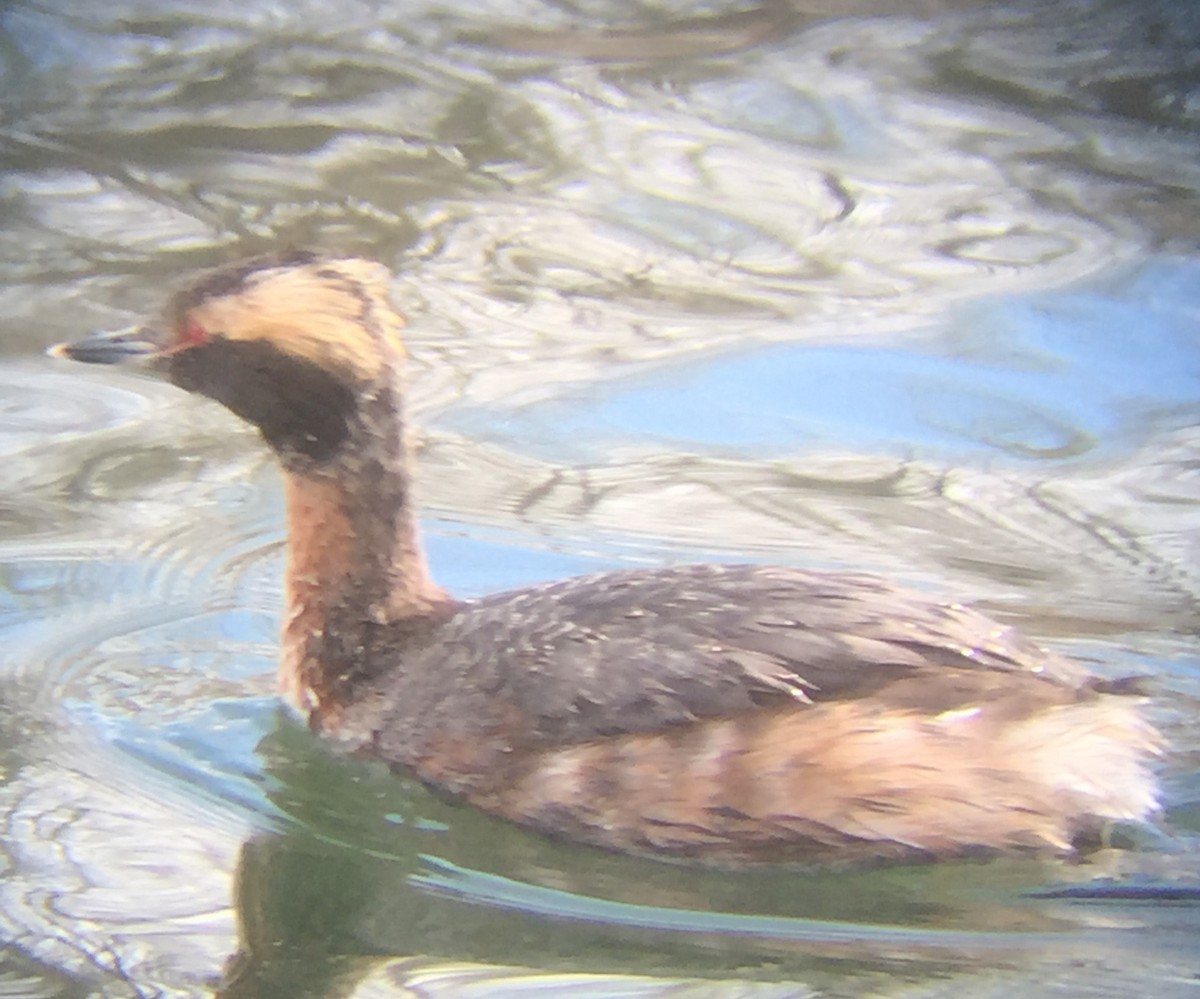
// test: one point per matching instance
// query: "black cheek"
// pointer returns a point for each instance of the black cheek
(302, 409)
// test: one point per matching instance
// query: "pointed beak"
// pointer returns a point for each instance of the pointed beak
(133, 344)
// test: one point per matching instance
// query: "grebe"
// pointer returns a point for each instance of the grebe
(728, 713)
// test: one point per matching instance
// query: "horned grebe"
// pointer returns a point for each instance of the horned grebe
(724, 712)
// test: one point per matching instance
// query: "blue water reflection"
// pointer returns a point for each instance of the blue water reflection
(1051, 376)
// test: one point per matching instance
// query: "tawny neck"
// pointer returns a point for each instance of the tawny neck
(354, 564)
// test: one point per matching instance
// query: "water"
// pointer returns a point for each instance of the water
(909, 288)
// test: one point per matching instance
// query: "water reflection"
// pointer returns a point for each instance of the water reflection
(904, 287)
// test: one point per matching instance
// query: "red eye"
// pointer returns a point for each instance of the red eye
(192, 334)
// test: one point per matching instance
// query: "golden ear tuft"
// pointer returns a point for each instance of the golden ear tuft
(333, 312)
(373, 276)
(376, 281)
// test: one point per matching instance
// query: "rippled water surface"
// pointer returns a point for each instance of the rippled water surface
(908, 287)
